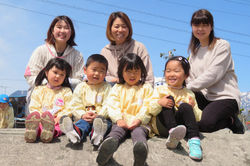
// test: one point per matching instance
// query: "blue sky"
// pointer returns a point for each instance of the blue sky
(161, 25)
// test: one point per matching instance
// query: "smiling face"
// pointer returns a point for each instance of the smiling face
(3, 105)
(55, 76)
(119, 31)
(202, 32)
(61, 32)
(95, 72)
(131, 76)
(174, 74)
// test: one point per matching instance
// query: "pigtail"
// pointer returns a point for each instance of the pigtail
(40, 77)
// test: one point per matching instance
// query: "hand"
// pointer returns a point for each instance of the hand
(191, 101)
(115, 80)
(166, 102)
(122, 123)
(89, 116)
(134, 124)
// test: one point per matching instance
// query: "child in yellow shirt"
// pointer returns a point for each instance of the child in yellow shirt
(87, 102)
(6, 112)
(176, 108)
(48, 102)
(127, 105)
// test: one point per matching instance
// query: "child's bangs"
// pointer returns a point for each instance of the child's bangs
(200, 20)
(131, 66)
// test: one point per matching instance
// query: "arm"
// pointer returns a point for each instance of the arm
(143, 53)
(35, 65)
(220, 62)
(113, 104)
(101, 109)
(67, 96)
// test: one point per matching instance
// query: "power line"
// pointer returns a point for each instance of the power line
(145, 13)
(216, 10)
(99, 26)
(237, 2)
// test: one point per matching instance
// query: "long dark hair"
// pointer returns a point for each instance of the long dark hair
(184, 64)
(58, 63)
(131, 61)
(50, 37)
(202, 16)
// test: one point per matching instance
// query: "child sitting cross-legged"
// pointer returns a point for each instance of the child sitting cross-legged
(87, 102)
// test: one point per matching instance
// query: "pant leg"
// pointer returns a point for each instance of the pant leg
(57, 131)
(109, 126)
(84, 127)
(201, 100)
(118, 133)
(217, 115)
(185, 116)
(139, 134)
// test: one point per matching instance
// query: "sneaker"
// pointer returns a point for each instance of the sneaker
(195, 152)
(175, 135)
(48, 124)
(66, 126)
(32, 123)
(106, 150)
(99, 130)
(237, 126)
(140, 153)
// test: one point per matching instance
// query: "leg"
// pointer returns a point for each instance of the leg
(110, 144)
(84, 128)
(66, 126)
(218, 115)
(100, 127)
(139, 137)
(32, 123)
(48, 125)
(185, 116)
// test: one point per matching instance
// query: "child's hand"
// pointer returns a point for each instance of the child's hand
(166, 102)
(134, 124)
(122, 123)
(89, 116)
(191, 101)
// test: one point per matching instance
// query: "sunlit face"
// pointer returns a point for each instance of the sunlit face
(131, 76)
(119, 31)
(95, 73)
(174, 74)
(3, 105)
(202, 32)
(61, 32)
(55, 76)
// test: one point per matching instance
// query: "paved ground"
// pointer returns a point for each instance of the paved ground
(220, 149)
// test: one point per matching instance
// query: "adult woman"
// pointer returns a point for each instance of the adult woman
(119, 33)
(59, 43)
(212, 76)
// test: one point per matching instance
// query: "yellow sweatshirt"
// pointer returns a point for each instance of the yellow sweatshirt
(7, 117)
(89, 98)
(179, 95)
(46, 99)
(129, 103)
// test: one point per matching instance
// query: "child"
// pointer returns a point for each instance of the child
(171, 102)
(48, 101)
(59, 43)
(6, 112)
(87, 102)
(127, 105)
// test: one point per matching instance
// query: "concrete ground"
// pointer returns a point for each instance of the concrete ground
(220, 148)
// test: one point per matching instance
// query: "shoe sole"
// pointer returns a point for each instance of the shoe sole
(177, 134)
(106, 151)
(48, 124)
(99, 129)
(140, 154)
(32, 124)
(66, 125)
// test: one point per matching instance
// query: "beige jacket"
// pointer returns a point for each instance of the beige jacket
(114, 53)
(44, 53)
(7, 117)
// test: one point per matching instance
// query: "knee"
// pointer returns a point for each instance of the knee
(186, 107)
